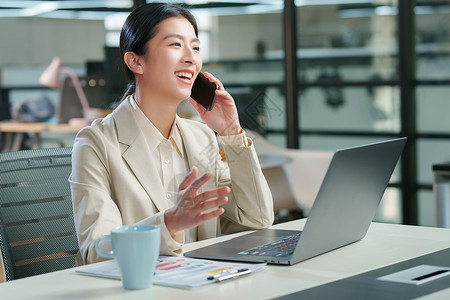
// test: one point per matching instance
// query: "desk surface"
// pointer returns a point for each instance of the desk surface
(384, 244)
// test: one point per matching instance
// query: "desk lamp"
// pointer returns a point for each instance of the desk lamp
(50, 78)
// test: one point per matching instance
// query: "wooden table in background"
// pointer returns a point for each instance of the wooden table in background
(15, 131)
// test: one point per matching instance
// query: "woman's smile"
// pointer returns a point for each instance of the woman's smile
(185, 76)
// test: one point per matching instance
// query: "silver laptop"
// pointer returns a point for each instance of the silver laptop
(342, 212)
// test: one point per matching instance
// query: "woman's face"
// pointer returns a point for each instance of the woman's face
(172, 61)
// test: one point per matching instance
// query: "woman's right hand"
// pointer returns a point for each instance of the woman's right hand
(189, 211)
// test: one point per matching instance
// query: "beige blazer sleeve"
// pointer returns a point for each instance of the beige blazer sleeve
(250, 203)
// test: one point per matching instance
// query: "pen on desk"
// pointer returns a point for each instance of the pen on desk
(212, 277)
(227, 272)
(233, 275)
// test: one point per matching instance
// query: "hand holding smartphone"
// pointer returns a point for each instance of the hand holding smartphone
(204, 91)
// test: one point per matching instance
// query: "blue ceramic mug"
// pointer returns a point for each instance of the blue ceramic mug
(136, 250)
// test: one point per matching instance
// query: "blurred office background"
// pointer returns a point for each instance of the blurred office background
(307, 74)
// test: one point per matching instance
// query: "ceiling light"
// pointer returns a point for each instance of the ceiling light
(40, 9)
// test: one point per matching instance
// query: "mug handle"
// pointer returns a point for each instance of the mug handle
(100, 252)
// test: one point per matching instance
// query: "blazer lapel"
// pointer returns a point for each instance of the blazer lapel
(136, 155)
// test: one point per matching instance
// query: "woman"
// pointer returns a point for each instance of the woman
(142, 164)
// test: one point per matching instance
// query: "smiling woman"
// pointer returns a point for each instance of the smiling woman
(143, 27)
(167, 72)
(143, 164)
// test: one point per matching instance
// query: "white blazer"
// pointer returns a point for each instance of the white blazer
(114, 182)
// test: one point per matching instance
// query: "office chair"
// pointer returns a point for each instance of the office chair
(6, 273)
(37, 231)
(295, 184)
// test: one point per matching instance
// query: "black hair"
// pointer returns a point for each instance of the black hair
(141, 26)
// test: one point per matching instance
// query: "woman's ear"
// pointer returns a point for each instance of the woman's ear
(133, 62)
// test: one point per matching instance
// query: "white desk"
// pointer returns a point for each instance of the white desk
(384, 244)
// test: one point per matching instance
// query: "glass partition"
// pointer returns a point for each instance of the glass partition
(432, 39)
(347, 41)
(350, 109)
(432, 58)
(348, 79)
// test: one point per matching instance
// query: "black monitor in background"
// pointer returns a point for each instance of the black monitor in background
(114, 74)
(95, 89)
(95, 68)
(108, 86)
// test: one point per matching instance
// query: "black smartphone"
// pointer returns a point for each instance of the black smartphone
(204, 91)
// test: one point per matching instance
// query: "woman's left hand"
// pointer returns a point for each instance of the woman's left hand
(223, 118)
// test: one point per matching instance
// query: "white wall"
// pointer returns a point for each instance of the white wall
(35, 41)
(237, 35)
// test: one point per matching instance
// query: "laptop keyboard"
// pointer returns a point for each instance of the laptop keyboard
(280, 248)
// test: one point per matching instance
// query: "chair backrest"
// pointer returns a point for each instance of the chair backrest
(6, 272)
(304, 173)
(37, 231)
